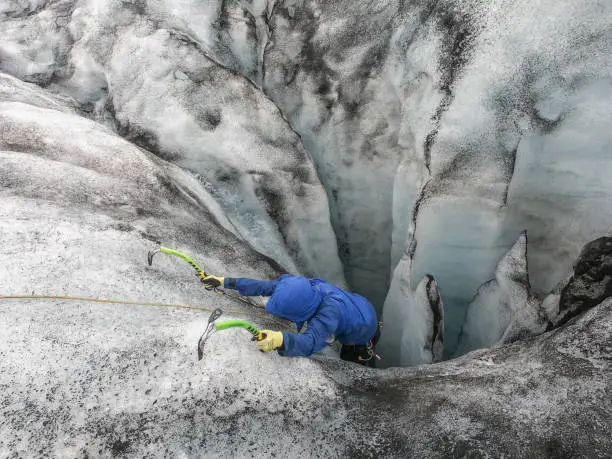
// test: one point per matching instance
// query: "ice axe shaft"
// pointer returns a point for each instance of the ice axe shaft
(248, 326)
(176, 253)
(200, 273)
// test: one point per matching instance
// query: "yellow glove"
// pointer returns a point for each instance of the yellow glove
(213, 281)
(273, 340)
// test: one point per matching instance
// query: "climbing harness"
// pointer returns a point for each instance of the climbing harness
(370, 348)
(370, 353)
(227, 324)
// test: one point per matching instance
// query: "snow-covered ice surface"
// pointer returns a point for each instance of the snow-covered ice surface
(80, 208)
(81, 380)
(106, 380)
(402, 146)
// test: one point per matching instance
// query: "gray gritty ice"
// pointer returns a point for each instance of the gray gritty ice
(402, 140)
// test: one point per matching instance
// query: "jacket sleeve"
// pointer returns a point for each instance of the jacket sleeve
(323, 325)
(251, 287)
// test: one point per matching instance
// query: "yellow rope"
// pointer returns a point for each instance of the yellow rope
(102, 300)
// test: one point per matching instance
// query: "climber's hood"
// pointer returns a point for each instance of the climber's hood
(294, 299)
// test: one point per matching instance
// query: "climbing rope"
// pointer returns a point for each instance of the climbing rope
(140, 303)
(216, 312)
(126, 302)
(210, 328)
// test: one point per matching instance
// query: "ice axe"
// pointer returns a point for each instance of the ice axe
(212, 327)
(200, 272)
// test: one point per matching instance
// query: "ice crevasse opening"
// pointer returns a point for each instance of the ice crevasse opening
(464, 150)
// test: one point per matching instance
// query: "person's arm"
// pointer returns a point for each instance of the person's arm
(252, 287)
(323, 325)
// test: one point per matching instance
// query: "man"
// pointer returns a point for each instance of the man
(331, 313)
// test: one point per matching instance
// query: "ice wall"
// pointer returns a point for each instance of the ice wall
(465, 103)
(152, 71)
(80, 207)
(327, 69)
(518, 143)
(419, 323)
(504, 308)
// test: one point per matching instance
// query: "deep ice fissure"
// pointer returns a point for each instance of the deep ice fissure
(503, 158)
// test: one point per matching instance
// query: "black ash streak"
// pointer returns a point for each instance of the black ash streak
(458, 32)
(435, 304)
(592, 280)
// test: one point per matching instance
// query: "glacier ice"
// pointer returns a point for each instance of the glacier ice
(340, 142)
(589, 284)
(155, 85)
(508, 150)
(439, 131)
(325, 68)
(419, 323)
(504, 308)
(435, 131)
(127, 198)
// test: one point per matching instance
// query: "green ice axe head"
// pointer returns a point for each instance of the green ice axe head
(176, 253)
(199, 271)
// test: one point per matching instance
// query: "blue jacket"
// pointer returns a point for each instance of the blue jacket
(329, 311)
